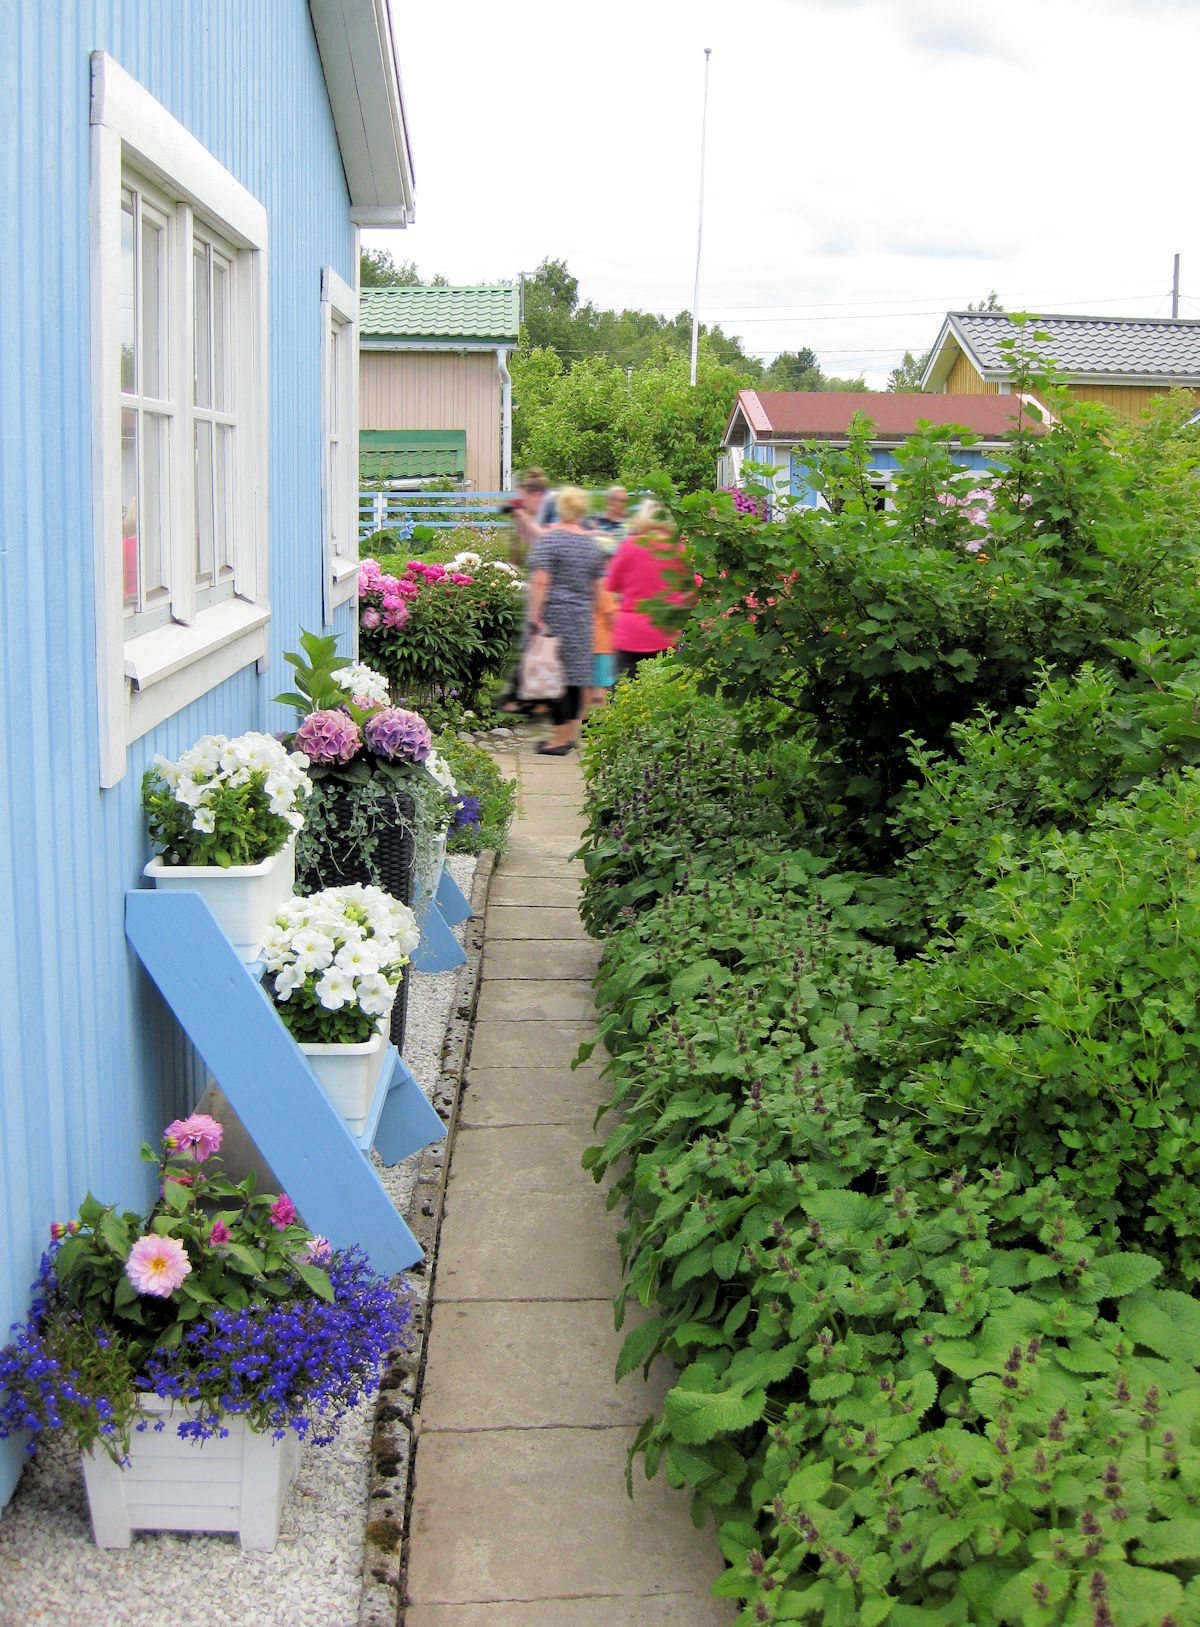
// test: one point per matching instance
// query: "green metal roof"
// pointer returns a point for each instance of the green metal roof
(474, 315)
(411, 454)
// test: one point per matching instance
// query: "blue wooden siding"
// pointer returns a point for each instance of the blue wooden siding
(882, 461)
(90, 1062)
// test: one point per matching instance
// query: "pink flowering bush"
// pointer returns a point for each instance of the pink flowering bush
(218, 1299)
(434, 628)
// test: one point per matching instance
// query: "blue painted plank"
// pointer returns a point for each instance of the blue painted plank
(439, 950)
(409, 1120)
(254, 1059)
(450, 901)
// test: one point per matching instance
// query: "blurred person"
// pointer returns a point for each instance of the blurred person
(525, 512)
(564, 594)
(612, 522)
(604, 669)
(648, 565)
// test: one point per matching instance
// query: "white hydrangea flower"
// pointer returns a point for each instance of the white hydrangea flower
(363, 684)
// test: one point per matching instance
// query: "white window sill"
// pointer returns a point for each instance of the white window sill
(345, 579)
(173, 666)
(167, 650)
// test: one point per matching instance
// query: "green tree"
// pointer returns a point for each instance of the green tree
(794, 370)
(377, 269)
(989, 303)
(907, 377)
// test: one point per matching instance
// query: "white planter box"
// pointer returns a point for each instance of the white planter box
(244, 898)
(348, 1074)
(235, 1484)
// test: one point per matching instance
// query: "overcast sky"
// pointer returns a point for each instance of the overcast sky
(871, 163)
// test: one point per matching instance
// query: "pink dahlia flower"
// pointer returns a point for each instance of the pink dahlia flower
(283, 1212)
(328, 737)
(157, 1265)
(398, 735)
(198, 1135)
(370, 617)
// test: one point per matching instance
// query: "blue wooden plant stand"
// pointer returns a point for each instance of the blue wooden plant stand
(439, 950)
(221, 1006)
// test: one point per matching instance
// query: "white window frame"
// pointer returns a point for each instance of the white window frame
(339, 511)
(145, 678)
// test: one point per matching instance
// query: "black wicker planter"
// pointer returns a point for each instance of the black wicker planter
(393, 871)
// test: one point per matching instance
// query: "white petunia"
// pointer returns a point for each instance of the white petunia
(359, 958)
(335, 989)
(204, 820)
(375, 994)
(287, 980)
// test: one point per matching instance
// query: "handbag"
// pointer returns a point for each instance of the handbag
(542, 677)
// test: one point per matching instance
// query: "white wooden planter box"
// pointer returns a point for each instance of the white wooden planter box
(348, 1074)
(233, 1484)
(244, 898)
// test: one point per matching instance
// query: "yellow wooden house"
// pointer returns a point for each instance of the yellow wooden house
(1123, 361)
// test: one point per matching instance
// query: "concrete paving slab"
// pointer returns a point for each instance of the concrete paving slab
(528, 921)
(495, 1509)
(499, 1245)
(530, 1158)
(666, 1610)
(529, 1364)
(503, 1043)
(557, 889)
(527, 958)
(539, 866)
(536, 1000)
(504, 1096)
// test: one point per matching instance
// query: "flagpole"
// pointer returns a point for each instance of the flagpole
(700, 221)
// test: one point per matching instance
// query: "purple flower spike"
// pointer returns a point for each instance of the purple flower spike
(399, 735)
(328, 737)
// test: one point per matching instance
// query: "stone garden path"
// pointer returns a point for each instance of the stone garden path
(520, 1516)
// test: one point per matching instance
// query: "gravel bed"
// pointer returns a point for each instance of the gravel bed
(52, 1575)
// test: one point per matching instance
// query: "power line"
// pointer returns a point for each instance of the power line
(945, 302)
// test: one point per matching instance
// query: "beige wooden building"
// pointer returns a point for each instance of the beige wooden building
(435, 397)
(1123, 361)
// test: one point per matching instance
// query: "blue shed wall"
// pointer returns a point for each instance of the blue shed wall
(90, 1063)
(882, 460)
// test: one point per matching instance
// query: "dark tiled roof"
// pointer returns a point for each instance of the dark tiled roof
(470, 314)
(805, 414)
(1161, 349)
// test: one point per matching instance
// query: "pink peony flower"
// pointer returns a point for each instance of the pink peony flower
(157, 1265)
(219, 1234)
(407, 588)
(318, 1251)
(328, 737)
(397, 616)
(461, 580)
(387, 584)
(283, 1212)
(370, 617)
(198, 1134)
(368, 575)
(392, 601)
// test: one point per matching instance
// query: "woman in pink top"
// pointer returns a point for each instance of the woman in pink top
(648, 565)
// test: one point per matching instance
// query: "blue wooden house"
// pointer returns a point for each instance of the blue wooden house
(772, 430)
(183, 190)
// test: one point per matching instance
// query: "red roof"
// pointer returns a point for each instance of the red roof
(817, 414)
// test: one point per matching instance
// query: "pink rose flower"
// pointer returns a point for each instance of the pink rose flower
(157, 1266)
(370, 617)
(219, 1234)
(283, 1212)
(198, 1134)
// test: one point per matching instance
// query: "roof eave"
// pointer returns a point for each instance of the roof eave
(936, 371)
(388, 341)
(362, 77)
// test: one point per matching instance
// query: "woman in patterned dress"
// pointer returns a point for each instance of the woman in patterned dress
(564, 593)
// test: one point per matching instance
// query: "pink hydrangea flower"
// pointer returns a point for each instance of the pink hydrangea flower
(370, 617)
(197, 1134)
(157, 1266)
(219, 1234)
(283, 1212)
(328, 737)
(398, 735)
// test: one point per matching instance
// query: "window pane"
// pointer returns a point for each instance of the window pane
(154, 307)
(128, 296)
(224, 478)
(335, 381)
(130, 573)
(222, 335)
(155, 506)
(204, 504)
(202, 341)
